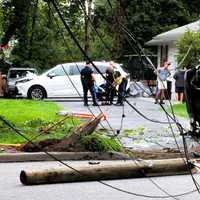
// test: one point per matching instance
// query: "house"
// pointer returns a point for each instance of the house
(166, 43)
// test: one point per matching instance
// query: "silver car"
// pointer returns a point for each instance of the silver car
(14, 75)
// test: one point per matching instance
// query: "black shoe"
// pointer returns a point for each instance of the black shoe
(95, 104)
(156, 102)
(85, 104)
(119, 104)
(162, 102)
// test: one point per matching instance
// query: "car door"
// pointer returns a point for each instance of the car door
(75, 79)
(57, 83)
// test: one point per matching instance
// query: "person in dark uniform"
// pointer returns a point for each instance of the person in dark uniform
(88, 83)
(179, 85)
(109, 89)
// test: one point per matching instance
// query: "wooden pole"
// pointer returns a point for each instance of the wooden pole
(106, 171)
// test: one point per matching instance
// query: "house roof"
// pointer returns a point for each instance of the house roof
(174, 34)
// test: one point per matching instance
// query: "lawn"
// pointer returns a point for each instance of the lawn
(179, 109)
(29, 117)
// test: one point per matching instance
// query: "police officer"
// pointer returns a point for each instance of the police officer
(109, 89)
(88, 83)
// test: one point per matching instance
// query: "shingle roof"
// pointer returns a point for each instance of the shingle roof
(173, 34)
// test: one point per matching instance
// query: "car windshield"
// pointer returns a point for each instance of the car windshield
(20, 73)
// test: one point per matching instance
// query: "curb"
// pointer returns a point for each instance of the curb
(41, 156)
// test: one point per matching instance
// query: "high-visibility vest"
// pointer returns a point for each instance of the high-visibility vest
(117, 77)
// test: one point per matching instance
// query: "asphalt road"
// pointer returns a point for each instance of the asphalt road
(132, 119)
(157, 135)
(11, 188)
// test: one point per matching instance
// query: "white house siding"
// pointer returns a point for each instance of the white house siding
(159, 56)
(172, 58)
(172, 52)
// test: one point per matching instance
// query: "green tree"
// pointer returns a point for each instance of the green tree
(148, 18)
(41, 35)
(189, 49)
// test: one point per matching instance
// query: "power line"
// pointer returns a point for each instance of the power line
(73, 37)
(118, 133)
(12, 127)
(65, 42)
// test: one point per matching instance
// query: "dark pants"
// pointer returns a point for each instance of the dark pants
(122, 90)
(110, 92)
(91, 88)
(169, 88)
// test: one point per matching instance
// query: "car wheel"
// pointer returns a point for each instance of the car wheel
(36, 93)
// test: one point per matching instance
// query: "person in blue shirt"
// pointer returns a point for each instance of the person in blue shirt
(162, 74)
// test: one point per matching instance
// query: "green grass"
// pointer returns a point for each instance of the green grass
(179, 109)
(132, 132)
(20, 111)
(97, 142)
(29, 117)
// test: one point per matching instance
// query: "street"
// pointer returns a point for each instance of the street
(155, 135)
(11, 188)
(132, 119)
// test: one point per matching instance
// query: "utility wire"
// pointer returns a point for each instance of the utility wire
(178, 125)
(89, 59)
(72, 34)
(123, 115)
(97, 33)
(65, 42)
(12, 127)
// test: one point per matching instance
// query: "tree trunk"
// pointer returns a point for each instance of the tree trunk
(117, 31)
(88, 10)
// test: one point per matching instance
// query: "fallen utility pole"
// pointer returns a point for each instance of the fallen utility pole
(107, 171)
(68, 142)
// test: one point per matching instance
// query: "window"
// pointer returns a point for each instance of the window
(164, 53)
(75, 69)
(58, 72)
(20, 73)
(102, 69)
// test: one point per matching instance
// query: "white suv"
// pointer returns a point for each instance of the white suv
(60, 81)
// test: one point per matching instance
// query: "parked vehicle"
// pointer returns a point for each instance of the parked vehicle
(16, 74)
(62, 80)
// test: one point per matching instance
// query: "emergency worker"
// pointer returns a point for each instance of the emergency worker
(88, 83)
(120, 80)
(109, 89)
